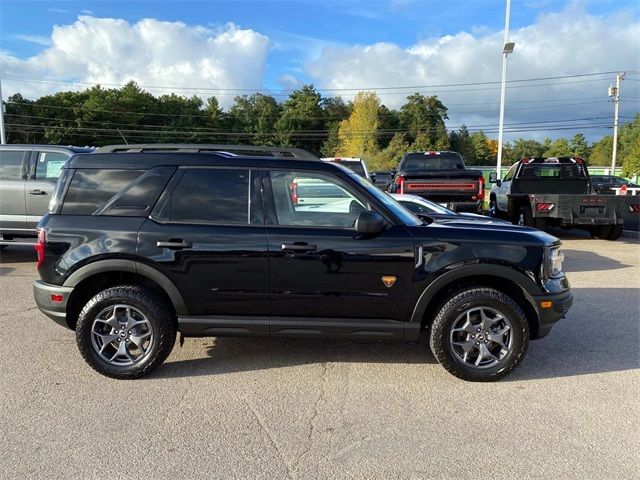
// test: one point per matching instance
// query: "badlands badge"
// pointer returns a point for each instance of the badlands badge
(388, 280)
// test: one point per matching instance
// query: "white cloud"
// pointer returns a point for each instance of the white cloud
(150, 52)
(562, 43)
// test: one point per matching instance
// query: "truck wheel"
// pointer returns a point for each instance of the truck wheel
(493, 207)
(525, 217)
(125, 332)
(616, 232)
(479, 334)
(601, 232)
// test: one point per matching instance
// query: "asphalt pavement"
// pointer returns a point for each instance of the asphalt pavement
(260, 408)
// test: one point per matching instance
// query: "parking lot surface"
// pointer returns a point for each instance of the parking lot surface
(289, 408)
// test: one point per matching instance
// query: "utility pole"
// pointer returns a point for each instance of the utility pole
(506, 50)
(615, 93)
(2, 137)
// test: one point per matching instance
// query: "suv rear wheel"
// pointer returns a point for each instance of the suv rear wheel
(479, 334)
(125, 332)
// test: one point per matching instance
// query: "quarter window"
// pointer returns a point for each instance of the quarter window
(91, 189)
(211, 195)
(10, 165)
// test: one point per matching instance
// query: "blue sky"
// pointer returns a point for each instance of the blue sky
(333, 43)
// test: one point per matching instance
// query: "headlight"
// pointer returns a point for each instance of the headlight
(554, 259)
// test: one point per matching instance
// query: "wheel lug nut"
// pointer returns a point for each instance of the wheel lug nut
(129, 332)
(486, 341)
(479, 330)
(477, 343)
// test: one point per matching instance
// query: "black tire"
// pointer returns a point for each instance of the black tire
(493, 207)
(601, 232)
(160, 317)
(615, 233)
(455, 306)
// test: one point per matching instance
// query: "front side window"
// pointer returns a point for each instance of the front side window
(49, 164)
(10, 164)
(213, 195)
(509, 174)
(314, 200)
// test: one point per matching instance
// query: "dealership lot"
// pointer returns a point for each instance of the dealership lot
(286, 408)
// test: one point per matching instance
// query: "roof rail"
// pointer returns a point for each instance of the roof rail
(243, 150)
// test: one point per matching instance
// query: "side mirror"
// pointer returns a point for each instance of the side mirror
(493, 177)
(393, 172)
(369, 223)
(372, 176)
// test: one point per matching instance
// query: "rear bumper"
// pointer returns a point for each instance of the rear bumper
(56, 311)
(548, 315)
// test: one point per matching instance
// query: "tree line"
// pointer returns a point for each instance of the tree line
(326, 126)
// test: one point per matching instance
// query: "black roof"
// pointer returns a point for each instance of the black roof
(244, 150)
(144, 161)
(67, 148)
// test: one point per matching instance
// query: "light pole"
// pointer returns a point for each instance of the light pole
(506, 50)
(615, 93)
(2, 137)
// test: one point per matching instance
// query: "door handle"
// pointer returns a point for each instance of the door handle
(174, 244)
(299, 247)
(37, 192)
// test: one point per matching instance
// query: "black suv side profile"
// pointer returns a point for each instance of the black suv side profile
(139, 246)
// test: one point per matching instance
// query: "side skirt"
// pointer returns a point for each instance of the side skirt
(375, 329)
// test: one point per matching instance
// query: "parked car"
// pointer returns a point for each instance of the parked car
(381, 179)
(28, 174)
(436, 212)
(605, 184)
(441, 177)
(541, 192)
(354, 164)
(137, 247)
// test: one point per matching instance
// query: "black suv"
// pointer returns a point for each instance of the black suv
(139, 246)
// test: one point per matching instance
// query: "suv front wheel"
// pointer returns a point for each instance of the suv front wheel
(125, 332)
(479, 334)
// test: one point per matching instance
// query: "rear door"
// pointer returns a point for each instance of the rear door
(12, 180)
(207, 235)
(44, 171)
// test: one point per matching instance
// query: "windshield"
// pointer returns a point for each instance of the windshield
(424, 161)
(408, 218)
(434, 207)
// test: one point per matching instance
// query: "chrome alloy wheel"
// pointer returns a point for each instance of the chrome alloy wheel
(122, 335)
(481, 337)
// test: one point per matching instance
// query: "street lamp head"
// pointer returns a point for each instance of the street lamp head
(508, 47)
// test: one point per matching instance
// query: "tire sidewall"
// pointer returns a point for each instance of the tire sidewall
(151, 309)
(453, 310)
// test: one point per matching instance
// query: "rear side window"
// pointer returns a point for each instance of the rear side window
(49, 164)
(10, 165)
(91, 189)
(212, 195)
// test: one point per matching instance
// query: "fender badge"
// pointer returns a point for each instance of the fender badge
(388, 280)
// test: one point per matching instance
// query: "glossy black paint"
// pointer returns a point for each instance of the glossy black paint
(305, 276)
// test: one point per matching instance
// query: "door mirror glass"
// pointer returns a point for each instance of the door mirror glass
(369, 222)
(493, 177)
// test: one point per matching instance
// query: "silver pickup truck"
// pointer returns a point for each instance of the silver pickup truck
(28, 174)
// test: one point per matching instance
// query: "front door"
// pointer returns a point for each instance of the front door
(207, 235)
(320, 268)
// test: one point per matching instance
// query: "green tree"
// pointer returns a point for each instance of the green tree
(481, 149)
(301, 112)
(253, 117)
(460, 142)
(424, 117)
(579, 146)
(334, 110)
(523, 147)
(601, 151)
(390, 156)
(558, 148)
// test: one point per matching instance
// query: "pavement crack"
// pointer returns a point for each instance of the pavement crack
(272, 440)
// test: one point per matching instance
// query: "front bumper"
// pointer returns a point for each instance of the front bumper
(551, 308)
(56, 311)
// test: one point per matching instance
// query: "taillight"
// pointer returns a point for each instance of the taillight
(544, 207)
(40, 247)
(401, 181)
(635, 208)
(481, 187)
(294, 193)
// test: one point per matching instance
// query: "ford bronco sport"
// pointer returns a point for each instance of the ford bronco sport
(139, 246)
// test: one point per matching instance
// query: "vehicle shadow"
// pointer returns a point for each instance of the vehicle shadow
(592, 339)
(229, 355)
(583, 261)
(18, 254)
